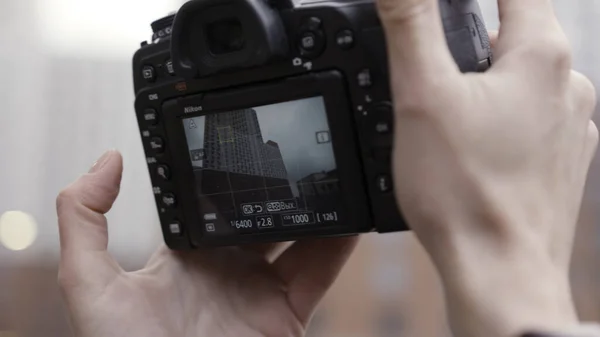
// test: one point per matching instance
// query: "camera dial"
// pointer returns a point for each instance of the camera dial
(163, 27)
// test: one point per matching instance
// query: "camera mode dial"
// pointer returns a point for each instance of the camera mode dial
(163, 28)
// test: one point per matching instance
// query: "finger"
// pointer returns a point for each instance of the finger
(82, 225)
(562, 253)
(532, 40)
(524, 20)
(493, 34)
(416, 41)
(584, 94)
(309, 268)
(269, 250)
(592, 142)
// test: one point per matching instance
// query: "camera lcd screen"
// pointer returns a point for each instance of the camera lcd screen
(265, 168)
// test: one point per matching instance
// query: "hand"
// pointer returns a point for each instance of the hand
(490, 168)
(252, 291)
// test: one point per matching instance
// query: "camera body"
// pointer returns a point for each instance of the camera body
(271, 121)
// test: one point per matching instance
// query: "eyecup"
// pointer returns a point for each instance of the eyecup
(263, 29)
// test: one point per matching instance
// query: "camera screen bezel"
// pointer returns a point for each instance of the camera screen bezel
(331, 86)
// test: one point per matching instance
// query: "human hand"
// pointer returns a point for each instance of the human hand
(490, 168)
(254, 291)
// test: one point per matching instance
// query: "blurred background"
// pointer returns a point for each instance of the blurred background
(67, 95)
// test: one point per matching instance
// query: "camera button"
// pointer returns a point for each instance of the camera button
(168, 200)
(311, 43)
(170, 68)
(313, 23)
(345, 39)
(151, 117)
(163, 172)
(175, 228)
(384, 114)
(149, 74)
(157, 144)
(383, 127)
(308, 41)
(364, 78)
(384, 183)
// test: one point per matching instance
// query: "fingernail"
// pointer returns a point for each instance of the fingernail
(101, 162)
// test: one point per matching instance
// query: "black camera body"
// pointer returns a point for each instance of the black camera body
(269, 121)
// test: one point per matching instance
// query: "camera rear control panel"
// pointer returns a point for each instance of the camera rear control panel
(153, 73)
(320, 40)
(158, 158)
(356, 44)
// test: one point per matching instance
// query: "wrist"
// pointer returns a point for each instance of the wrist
(504, 291)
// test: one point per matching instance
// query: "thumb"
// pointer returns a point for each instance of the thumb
(415, 39)
(82, 224)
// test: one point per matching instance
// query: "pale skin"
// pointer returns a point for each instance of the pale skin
(489, 170)
(246, 291)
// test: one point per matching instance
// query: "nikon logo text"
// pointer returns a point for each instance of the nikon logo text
(192, 109)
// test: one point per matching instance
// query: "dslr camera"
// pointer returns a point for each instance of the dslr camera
(266, 121)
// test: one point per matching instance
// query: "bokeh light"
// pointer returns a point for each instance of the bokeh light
(18, 230)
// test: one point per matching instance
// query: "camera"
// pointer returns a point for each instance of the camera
(266, 121)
